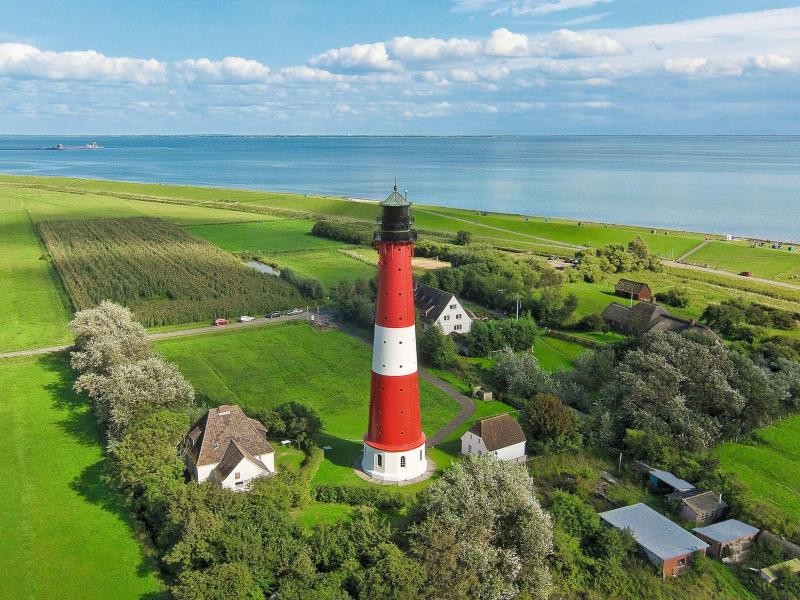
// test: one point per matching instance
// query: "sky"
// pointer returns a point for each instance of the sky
(421, 67)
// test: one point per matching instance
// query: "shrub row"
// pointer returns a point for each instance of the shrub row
(357, 496)
(351, 233)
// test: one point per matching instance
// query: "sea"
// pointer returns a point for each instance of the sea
(741, 185)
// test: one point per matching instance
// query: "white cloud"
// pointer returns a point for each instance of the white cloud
(503, 42)
(701, 66)
(432, 49)
(358, 57)
(231, 69)
(26, 61)
(463, 75)
(308, 74)
(569, 44)
(523, 7)
(774, 62)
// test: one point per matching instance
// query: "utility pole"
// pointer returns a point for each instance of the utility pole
(517, 306)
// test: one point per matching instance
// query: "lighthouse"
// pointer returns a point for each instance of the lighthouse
(394, 446)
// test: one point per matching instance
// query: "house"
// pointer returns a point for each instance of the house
(664, 482)
(500, 435)
(730, 540)
(646, 317)
(228, 448)
(699, 506)
(665, 544)
(772, 573)
(437, 307)
(634, 289)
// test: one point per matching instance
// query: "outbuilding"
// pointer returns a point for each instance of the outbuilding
(229, 449)
(699, 506)
(665, 544)
(664, 482)
(772, 573)
(730, 540)
(500, 436)
(634, 289)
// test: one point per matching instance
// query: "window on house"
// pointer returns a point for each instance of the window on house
(457, 327)
(380, 460)
(682, 562)
(237, 475)
(458, 316)
(402, 461)
(447, 317)
(452, 307)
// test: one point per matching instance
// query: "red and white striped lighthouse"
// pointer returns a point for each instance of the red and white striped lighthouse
(394, 446)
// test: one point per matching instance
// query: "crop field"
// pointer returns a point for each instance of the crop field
(35, 309)
(327, 266)
(161, 272)
(770, 469)
(762, 262)
(64, 532)
(283, 235)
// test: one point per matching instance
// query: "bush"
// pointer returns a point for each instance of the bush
(309, 287)
(677, 297)
(294, 420)
(351, 233)
(593, 322)
(437, 349)
(360, 496)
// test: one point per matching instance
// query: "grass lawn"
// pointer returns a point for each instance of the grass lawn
(770, 469)
(328, 266)
(284, 235)
(555, 354)
(323, 513)
(267, 366)
(738, 257)
(35, 308)
(64, 533)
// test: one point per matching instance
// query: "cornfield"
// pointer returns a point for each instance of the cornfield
(164, 274)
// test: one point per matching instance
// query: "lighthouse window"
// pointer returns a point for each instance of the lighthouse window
(380, 460)
(420, 454)
(402, 461)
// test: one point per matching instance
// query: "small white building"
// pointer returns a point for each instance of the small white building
(437, 307)
(500, 436)
(228, 448)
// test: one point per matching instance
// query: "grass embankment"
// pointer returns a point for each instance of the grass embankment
(737, 257)
(264, 367)
(65, 533)
(769, 466)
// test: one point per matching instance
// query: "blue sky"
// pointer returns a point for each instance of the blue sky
(412, 67)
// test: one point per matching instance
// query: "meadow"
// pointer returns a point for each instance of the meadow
(328, 266)
(760, 261)
(769, 466)
(65, 534)
(162, 273)
(264, 237)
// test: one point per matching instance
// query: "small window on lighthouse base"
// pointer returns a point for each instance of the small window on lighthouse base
(380, 460)
(402, 462)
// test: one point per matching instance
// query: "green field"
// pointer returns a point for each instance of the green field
(739, 257)
(769, 469)
(555, 354)
(63, 532)
(327, 266)
(265, 237)
(36, 310)
(267, 366)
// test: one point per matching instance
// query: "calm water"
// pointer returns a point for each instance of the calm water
(740, 185)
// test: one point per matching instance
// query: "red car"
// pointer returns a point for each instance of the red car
(221, 322)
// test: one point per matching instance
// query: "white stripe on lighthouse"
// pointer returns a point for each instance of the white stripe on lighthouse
(394, 350)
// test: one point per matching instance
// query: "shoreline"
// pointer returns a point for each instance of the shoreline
(5, 175)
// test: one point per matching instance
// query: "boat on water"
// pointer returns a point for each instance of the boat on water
(93, 146)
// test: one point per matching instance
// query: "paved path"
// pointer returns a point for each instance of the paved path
(467, 404)
(783, 284)
(164, 335)
(691, 251)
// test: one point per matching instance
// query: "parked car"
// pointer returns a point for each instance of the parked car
(294, 311)
(275, 313)
(246, 319)
(221, 322)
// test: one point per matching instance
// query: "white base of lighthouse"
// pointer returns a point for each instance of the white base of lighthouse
(394, 466)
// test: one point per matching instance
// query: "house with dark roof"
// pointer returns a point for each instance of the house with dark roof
(698, 506)
(646, 317)
(437, 307)
(229, 449)
(500, 436)
(730, 540)
(665, 544)
(634, 289)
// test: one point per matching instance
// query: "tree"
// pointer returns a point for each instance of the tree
(437, 349)
(501, 536)
(394, 576)
(678, 297)
(638, 247)
(106, 336)
(548, 423)
(520, 375)
(463, 238)
(132, 391)
(293, 419)
(228, 581)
